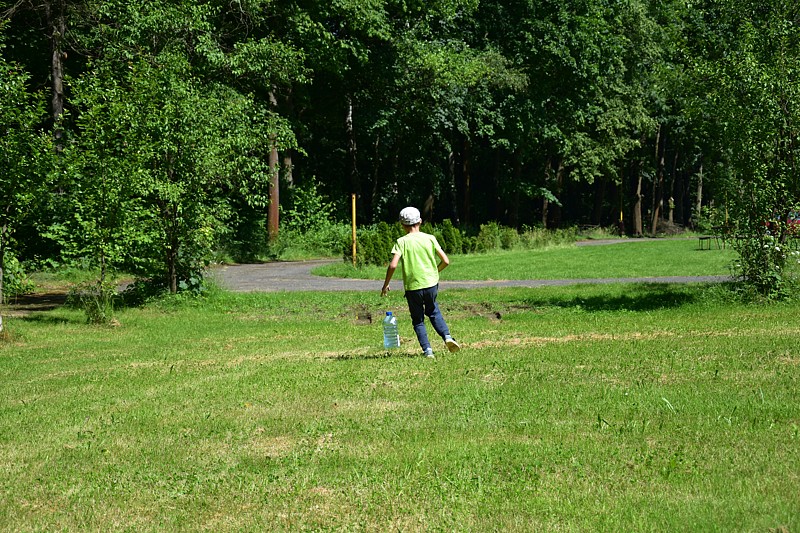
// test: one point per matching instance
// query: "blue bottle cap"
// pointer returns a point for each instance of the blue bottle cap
(388, 313)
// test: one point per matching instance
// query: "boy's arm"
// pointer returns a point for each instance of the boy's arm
(445, 261)
(389, 273)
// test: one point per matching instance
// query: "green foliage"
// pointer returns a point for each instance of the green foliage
(489, 237)
(323, 241)
(452, 240)
(375, 242)
(25, 152)
(15, 281)
(755, 96)
(307, 210)
(537, 237)
(709, 220)
(482, 107)
(767, 267)
(96, 299)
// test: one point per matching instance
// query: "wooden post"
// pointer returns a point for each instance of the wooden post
(353, 199)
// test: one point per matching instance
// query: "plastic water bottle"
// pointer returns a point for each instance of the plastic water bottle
(391, 337)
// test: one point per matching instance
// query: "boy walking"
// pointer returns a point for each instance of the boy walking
(421, 259)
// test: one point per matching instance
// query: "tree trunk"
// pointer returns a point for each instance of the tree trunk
(451, 174)
(57, 26)
(288, 165)
(672, 188)
(658, 183)
(548, 171)
(288, 169)
(637, 206)
(173, 243)
(698, 210)
(557, 210)
(273, 215)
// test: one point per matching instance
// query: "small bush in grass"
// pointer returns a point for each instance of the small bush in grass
(96, 299)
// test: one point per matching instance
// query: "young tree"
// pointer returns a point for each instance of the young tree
(757, 102)
(162, 144)
(23, 154)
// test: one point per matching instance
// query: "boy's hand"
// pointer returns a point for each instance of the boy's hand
(385, 290)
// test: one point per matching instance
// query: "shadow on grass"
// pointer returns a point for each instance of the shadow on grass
(636, 298)
(42, 318)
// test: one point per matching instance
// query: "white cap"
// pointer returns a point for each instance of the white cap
(410, 216)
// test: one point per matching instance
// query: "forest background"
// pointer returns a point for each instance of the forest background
(149, 136)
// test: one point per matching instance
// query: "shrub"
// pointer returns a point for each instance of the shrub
(323, 241)
(452, 239)
(489, 237)
(96, 299)
(375, 242)
(509, 238)
(15, 281)
(765, 264)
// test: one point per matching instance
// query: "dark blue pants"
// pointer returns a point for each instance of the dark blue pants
(422, 303)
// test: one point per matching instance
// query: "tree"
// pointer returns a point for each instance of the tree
(163, 146)
(757, 101)
(23, 153)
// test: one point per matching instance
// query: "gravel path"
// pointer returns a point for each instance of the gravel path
(296, 276)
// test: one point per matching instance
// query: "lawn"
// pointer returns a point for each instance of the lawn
(586, 408)
(626, 259)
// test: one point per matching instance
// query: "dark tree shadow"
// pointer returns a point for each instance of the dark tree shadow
(638, 298)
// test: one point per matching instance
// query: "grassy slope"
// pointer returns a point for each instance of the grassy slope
(668, 257)
(646, 407)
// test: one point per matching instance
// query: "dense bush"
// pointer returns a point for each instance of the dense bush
(324, 240)
(15, 281)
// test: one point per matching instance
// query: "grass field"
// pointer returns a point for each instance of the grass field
(627, 259)
(587, 408)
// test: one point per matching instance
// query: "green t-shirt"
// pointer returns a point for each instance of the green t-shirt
(418, 260)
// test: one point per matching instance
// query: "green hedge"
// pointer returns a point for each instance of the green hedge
(374, 243)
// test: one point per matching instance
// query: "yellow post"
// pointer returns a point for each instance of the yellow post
(353, 198)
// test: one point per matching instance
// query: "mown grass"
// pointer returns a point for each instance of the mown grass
(587, 408)
(626, 259)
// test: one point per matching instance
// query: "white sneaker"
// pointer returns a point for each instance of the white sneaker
(429, 353)
(452, 345)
